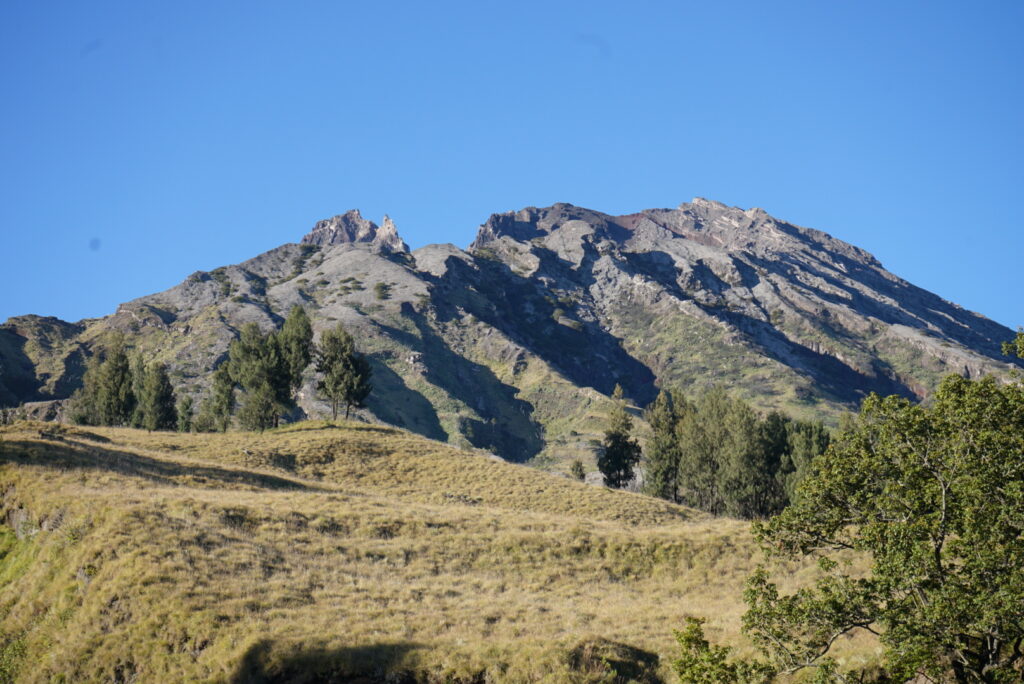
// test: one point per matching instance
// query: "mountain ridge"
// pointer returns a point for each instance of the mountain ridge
(514, 344)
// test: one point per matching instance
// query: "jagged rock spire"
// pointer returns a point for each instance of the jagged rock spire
(351, 227)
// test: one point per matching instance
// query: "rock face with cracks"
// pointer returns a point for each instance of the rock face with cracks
(514, 344)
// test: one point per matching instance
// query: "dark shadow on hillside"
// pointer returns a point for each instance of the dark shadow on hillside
(18, 381)
(507, 428)
(267, 662)
(603, 660)
(67, 454)
(526, 311)
(837, 380)
(966, 327)
(396, 403)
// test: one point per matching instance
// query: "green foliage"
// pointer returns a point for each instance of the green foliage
(621, 453)
(12, 657)
(296, 342)
(346, 373)
(804, 441)
(700, 662)
(138, 370)
(83, 407)
(662, 456)
(258, 363)
(259, 408)
(382, 290)
(1015, 347)
(935, 498)
(728, 461)
(725, 465)
(114, 397)
(107, 395)
(217, 409)
(185, 411)
(157, 401)
(577, 471)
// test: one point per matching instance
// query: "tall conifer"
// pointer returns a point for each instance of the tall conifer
(620, 453)
(114, 397)
(296, 345)
(157, 402)
(661, 477)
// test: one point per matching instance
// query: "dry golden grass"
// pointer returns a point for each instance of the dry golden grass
(337, 552)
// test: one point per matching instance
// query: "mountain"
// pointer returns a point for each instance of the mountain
(514, 344)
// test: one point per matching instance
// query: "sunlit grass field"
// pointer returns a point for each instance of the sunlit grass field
(341, 552)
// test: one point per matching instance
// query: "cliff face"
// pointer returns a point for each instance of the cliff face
(514, 344)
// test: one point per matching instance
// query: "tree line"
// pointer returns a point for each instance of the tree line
(714, 453)
(932, 497)
(257, 384)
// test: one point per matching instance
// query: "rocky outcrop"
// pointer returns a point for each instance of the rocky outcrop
(514, 345)
(351, 228)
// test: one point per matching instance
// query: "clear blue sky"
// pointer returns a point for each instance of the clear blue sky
(142, 141)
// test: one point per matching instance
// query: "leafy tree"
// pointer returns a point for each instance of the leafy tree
(701, 662)
(934, 497)
(296, 343)
(346, 373)
(185, 411)
(157, 401)
(662, 456)
(577, 471)
(621, 453)
(1015, 347)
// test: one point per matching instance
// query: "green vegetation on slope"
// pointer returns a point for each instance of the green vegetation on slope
(933, 500)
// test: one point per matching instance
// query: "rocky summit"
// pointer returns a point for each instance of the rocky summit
(351, 227)
(514, 344)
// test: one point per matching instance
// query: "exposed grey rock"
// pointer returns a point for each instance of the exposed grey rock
(514, 345)
(351, 227)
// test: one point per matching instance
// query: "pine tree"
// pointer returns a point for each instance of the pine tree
(805, 441)
(296, 344)
(157, 401)
(620, 453)
(746, 472)
(259, 408)
(662, 472)
(138, 371)
(222, 398)
(346, 373)
(256, 362)
(114, 397)
(185, 410)
(701, 434)
(83, 408)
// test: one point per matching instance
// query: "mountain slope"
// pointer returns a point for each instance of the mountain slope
(320, 551)
(514, 344)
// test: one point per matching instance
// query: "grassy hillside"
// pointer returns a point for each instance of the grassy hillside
(320, 552)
